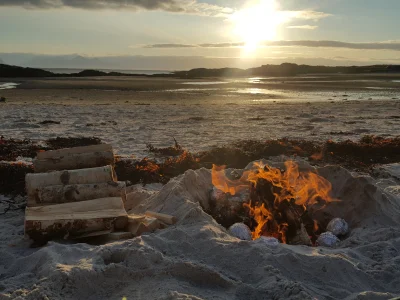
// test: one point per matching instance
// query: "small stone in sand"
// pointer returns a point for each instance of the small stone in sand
(338, 226)
(328, 239)
(241, 231)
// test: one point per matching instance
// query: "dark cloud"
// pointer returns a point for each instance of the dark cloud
(313, 44)
(177, 6)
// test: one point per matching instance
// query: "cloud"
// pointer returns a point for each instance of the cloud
(309, 27)
(337, 44)
(207, 45)
(169, 46)
(175, 6)
(395, 46)
(308, 14)
(222, 45)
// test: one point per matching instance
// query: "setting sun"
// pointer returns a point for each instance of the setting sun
(256, 23)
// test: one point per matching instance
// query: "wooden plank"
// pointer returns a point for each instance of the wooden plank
(57, 194)
(167, 219)
(146, 224)
(99, 208)
(149, 224)
(116, 236)
(133, 228)
(74, 161)
(136, 218)
(134, 222)
(70, 220)
(121, 223)
(92, 234)
(34, 181)
(76, 150)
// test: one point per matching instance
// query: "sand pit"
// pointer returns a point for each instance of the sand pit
(197, 258)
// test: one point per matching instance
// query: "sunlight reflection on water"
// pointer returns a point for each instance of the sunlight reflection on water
(205, 82)
(8, 85)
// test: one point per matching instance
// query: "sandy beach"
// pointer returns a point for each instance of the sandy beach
(132, 112)
(199, 150)
(197, 258)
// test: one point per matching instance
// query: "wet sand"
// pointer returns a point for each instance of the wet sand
(130, 112)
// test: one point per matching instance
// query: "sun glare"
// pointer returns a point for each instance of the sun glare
(257, 23)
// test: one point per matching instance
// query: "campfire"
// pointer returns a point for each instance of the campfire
(273, 202)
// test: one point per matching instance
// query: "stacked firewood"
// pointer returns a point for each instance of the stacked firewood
(74, 194)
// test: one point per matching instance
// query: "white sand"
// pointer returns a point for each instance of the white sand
(198, 259)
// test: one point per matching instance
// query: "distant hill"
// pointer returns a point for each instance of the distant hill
(285, 69)
(14, 71)
(63, 61)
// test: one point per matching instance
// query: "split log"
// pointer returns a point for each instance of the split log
(136, 218)
(92, 234)
(227, 209)
(116, 236)
(167, 219)
(121, 223)
(134, 223)
(139, 225)
(74, 161)
(69, 220)
(56, 194)
(35, 181)
(76, 150)
(149, 224)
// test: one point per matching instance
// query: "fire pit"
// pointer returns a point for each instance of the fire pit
(273, 202)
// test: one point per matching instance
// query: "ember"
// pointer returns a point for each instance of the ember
(280, 202)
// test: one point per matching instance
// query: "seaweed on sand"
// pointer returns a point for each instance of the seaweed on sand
(168, 151)
(362, 155)
(10, 149)
(69, 142)
(12, 177)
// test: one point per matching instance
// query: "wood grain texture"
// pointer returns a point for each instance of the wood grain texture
(57, 194)
(70, 220)
(34, 181)
(76, 150)
(74, 161)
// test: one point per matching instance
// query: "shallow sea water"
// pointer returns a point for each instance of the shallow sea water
(8, 85)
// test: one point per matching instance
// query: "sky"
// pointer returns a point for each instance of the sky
(230, 33)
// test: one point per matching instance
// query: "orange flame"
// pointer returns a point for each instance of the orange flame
(307, 188)
(226, 185)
